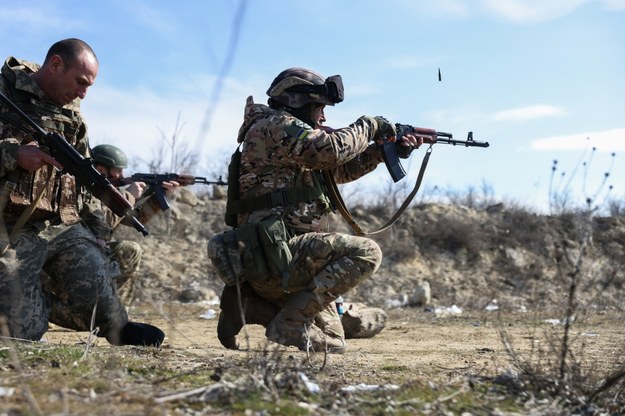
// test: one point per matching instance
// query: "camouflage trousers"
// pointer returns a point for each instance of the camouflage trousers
(128, 255)
(58, 274)
(324, 266)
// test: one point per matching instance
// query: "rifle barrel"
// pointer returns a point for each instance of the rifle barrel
(466, 143)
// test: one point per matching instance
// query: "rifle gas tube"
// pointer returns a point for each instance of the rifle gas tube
(76, 165)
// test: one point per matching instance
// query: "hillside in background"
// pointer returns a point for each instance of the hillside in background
(453, 355)
(470, 258)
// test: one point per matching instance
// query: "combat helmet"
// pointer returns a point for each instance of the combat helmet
(109, 156)
(297, 87)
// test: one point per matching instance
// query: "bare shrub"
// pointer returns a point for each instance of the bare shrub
(616, 207)
(471, 197)
(173, 154)
(450, 233)
(522, 228)
(562, 197)
(555, 369)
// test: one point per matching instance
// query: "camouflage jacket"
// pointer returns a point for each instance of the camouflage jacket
(280, 152)
(62, 200)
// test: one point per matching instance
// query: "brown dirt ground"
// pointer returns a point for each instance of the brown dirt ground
(470, 258)
(414, 345)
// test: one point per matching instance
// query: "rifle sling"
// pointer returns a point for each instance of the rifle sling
(298, 195)
(338, 202)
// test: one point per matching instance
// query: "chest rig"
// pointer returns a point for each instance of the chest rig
(54, 193)
(236, 205)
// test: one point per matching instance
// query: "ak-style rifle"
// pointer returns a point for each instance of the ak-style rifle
(75, 164)
(391, 158)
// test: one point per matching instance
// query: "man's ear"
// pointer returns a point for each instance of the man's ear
(56, 65)
(102, 169)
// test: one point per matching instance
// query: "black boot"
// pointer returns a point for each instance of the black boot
(257, 311)
(135, 333)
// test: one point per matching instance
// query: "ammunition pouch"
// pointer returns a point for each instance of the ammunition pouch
(52, 193)
(252, 252)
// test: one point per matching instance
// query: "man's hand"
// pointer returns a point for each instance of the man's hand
(423, 135)
(413, 140)
(385, 131)
(169, 186)
(30, 157)
(136, 189)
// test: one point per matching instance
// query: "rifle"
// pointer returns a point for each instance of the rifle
(391, 159)
(155, 180)
(76, 165)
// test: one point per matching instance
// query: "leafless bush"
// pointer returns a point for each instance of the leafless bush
(522, 228)
(451, 234)
(472, 198)
(555, 370)
(562, 197)
(173, 154)
(616, 207)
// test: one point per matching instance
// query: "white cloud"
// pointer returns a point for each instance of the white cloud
(615, 5)
(136, 120)
(529, 113)
(40, 18)
(519, 11)
(531, 10)
(607, 141)
(150, 16)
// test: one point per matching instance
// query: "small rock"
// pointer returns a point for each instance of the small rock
(421, 296)
(190, 295)
(361, 321)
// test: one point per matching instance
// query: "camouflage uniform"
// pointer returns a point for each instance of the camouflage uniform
(280, 152)
(128, 253)
(54, 269)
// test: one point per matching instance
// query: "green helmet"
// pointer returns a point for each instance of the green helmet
(296, 87)
(109, 156)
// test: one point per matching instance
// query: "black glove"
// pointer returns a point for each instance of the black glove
(383, 128)
(403, 152)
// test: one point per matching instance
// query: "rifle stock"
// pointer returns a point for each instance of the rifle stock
(391, 158)
(78, 166)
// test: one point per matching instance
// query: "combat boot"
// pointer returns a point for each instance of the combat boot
(294, 326)
(329, 321)
(136, 333)
(256, 310)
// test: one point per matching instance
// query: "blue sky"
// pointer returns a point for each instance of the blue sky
(540, 80)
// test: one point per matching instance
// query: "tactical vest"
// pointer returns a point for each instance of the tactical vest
(296, 195)
(59, 190)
